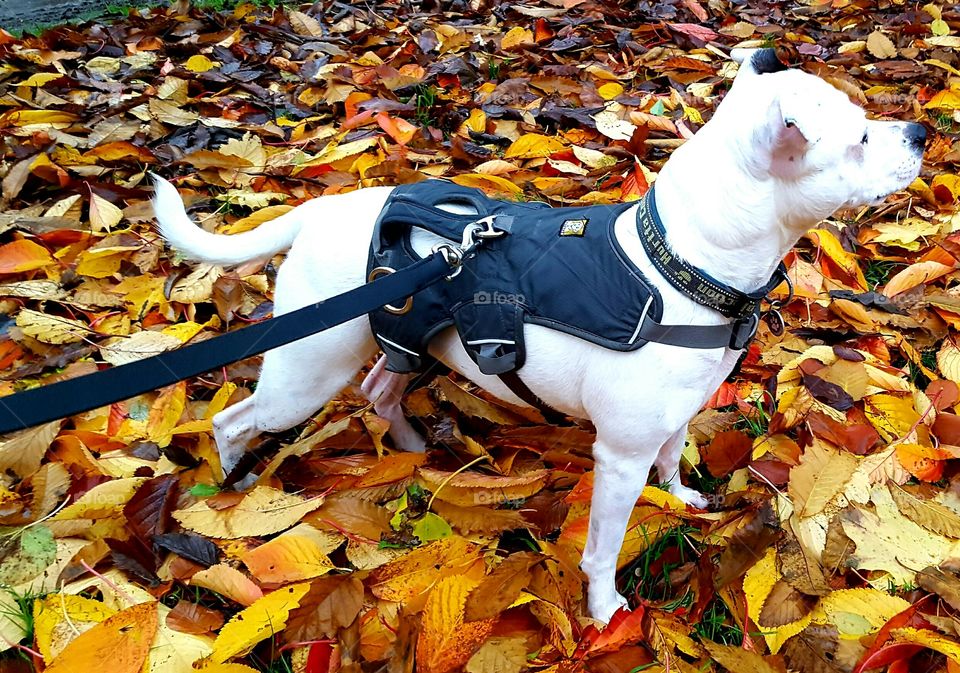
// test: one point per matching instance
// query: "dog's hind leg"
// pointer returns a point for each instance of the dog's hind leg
(385, 389)
(618, 479)
(668, 470)
(295, 381)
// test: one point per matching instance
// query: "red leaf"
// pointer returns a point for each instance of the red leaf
(318, 660)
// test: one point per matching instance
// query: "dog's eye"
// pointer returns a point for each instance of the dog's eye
(863, 140)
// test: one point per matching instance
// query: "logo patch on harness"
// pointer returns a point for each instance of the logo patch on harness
(574, 227)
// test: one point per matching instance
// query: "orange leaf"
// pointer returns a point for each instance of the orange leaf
(123, 640)
(400, 130)
(923, 462)
(634, 185)
(625, 627)
(23, 255)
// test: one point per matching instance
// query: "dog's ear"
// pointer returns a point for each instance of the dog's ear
(757, 61)
(799, 116)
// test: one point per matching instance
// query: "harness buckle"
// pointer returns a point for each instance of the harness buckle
(743, 331)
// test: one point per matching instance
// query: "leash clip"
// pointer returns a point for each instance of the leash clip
(474, 234)
(743, 331)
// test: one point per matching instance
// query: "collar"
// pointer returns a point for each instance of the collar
(691, 281)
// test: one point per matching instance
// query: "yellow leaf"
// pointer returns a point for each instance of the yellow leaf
(477, 121)
(893, 417)
(929, 639)
(446, 642)
(610, 90)
(947, 99)
(335, 152)
(662, 499)
(103, 214)
(198, 63)
(888, 541)
(121, 643)
(491, 184)
(831, 247)
(39, 79)
(220, 399)
(262, 511)
(757, 584)
(226, 668)
(30, 117)
(255, 219)
(58, 618)
(261, 620)
(533, 145)
(857, 612)
(51, 329)
(165, 412)
(515, 37)
(822, 473)
(101, 262)
(948, 359)
(287, 558)
(103, 500)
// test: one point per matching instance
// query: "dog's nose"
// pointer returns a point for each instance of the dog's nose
(916, 135)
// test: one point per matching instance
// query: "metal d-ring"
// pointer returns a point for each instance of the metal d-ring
(378, 271)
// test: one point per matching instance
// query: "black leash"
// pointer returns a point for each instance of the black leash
(74, 396)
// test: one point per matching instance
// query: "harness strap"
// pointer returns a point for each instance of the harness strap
(516, 385)
(735, 335)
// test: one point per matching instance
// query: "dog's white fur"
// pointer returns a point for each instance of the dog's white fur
(782, 152)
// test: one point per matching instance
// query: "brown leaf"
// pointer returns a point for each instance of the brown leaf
(747, 545)
(187, 617)
(801, 571)
(331, 604)
(785, 605)
(730, 450)
(148, 511)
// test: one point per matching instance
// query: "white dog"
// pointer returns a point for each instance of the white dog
(783, 151)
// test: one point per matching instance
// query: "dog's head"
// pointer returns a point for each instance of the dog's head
(814, 141)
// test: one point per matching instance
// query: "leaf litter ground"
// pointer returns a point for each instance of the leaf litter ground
(830, 458)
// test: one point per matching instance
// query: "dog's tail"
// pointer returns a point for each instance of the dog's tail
(193, 242)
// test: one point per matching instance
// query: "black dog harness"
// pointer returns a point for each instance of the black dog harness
(558, 267)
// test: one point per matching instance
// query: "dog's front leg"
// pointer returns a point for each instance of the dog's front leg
(618, 479)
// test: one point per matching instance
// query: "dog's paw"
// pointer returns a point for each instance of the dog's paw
(690, 496)
(604, 610)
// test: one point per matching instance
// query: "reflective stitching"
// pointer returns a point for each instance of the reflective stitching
(396, 345)
(643, 316)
